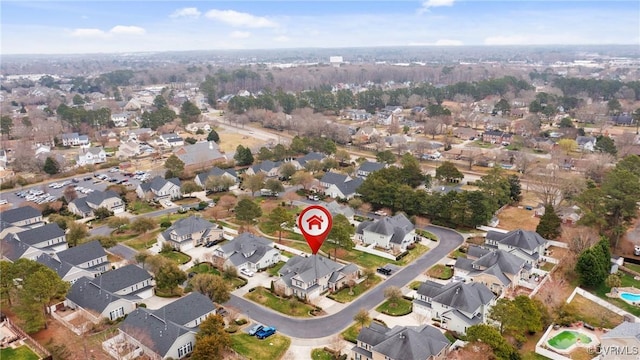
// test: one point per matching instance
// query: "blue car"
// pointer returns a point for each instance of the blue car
(255, 329)
(265, 332)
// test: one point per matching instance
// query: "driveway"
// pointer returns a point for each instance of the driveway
(331, 324)
(123, 251)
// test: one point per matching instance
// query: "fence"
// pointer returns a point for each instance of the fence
(34, 345)
(603, 303)
(548, 353)
(558, 244)
(375, 252)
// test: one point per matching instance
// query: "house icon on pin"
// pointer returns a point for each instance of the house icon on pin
(315, 220)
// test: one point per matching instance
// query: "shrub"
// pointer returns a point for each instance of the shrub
(231, 329)
(241, 321)
(165, 224)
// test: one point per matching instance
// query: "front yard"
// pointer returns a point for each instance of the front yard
(271, 348)
(204, 268)
(397, 308)
(350, 334)
(177, 257)
(441, 272)
(344, 296)
(291, 306)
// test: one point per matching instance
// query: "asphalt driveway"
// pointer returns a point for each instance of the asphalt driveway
(332, 324)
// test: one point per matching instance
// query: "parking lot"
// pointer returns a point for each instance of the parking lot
(84, 185)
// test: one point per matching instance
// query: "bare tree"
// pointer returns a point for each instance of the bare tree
(625, 143)
(547, 185)
(579, 238)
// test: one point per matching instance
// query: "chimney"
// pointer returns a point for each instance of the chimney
(210, 145)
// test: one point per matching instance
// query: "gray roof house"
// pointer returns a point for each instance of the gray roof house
(267, 167)
(190, 232)
(394, 232)
(309, 277)
(367, 167)
(97, 303)
(248, 251)
(65, 271)
(528, 245)
(423, 342)
(130, 281)
(625, 336)
(168, 332)
(89, 256)
(106, 199)
(331, 178)
(456, 305)
(199, 156)
(300, 162)
(586, 143)
(25, 216)
(344, 190)
(48, 238)
(201, 179)
(160, 188)
(498, 269)
(336, 208)
(12, 249)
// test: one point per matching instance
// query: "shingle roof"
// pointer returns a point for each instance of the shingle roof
(505, 261)
(82, 253)
(266, 166)
(61, 268)
(310, 156)
(90, 296)
(309, 268)
(186, 309)
(42, 233)
(349, 187)
(12, 248)
(335, 208)
(397, 226)
(121, 278)
(81, 205)
(458, 295)
(199, 153)
(216, 171)
(404, 343)
(19, 214)
(370, 166)
(97, 197)
(528, 240)
(186, 226)
(246, 247)
(158, 182)
(152, 331)
(624, 330)
(333, 178)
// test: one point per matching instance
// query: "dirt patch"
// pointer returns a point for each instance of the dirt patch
(81, 349)
(629, 240)
(230, 141)
(513, 218)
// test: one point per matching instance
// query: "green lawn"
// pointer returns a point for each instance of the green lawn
(144, 241)
(350, 334)
(252, 348)
(414, 253)
(441, 272)
(177, 257)
(457, 254)
(205, 268)
(533, 356)
(141, 207)
(633, 267)
(321, 354)
(399, 308)
(627, 281)
(19, 353)
(343, 295)
(273, 271)
(291, 306)
(414, 285)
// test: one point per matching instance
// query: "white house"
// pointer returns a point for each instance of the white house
(170, 140)
(108, 199)
(586, 143)
(65, 271)
(120, 120)
(130, 280)
(344, 190)
(378, 342)
(160, 188)
(89, 256)
(190, 232)
(74, 139)
(128, 149)
(309, 277)
(395, 232)
(194, 127)
(495, 268)
(91, 156)
(202, 178)
(528, 245)
(248, 251)
(48, 238)
(87, 296)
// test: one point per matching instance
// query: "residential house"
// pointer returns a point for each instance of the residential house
(465, 133)
(366, 168)
(130, 281)
(248, 251)
(586, 143)
(366, 134)
(623, 120)
(74, 139)
(65, 271)
(3, 160)
(389, 232)
(91, 156)
(49, 238)
(160, 188)
(344, 190)
(24, 216)
(332, 178)
(199, 156)
(168, 332)
(455, 305)
(527, 245)
(194, 127)
(494, 268)
(128, 149)
(309, 277)
(336, 208)
(622, 342)
(190, 232)
(300, 162)
(120, 120)
(496, 137)
(356, 115)
(12, 249)
(267, 167)
(377, 342)
(89, 256)
(97, 199)
(42, 150)
(142, 134)
(201, 179)
(170, 140)
(96, 302)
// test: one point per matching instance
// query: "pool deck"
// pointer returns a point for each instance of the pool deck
(593, 335)
(615, 293)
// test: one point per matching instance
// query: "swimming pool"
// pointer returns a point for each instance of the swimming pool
(568, 338)
(630, 297)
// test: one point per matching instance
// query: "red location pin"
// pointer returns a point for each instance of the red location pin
(315, 223)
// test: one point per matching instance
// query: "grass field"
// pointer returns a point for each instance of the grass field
(19, 353)
(141, 207)
(350, 334)
(343, 295)
(229, 141)
(177, 257)
(273, 271)
(399, 308)
(439, 271)
(512, 218)
(291, 306)
(320, 354)
(204, 268)
(271, 348)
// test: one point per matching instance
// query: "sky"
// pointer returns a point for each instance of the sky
(119, 26)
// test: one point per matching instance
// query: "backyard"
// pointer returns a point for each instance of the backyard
(627, 281)
(441, 272)
(19, 353)
(291, 306)
(176, 256)
(253, 348)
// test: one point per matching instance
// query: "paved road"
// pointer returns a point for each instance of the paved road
(332, 324)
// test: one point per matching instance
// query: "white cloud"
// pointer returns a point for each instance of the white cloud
(127, 30)
(186, 12)
(426, 5)
(505, 40)
(240, 34)
(240, 19)
(281, 38)
(448, 42)
(92, 33)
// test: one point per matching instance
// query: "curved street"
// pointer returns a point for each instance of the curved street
(318, 327)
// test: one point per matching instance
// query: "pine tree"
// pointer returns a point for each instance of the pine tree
(549, 226)
(51, 166)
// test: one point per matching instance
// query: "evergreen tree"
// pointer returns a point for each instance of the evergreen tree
(549, 226)
(213, 136)
(243, 156)
(51, 166)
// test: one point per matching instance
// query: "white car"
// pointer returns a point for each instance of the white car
(246, 272)
(636, 250)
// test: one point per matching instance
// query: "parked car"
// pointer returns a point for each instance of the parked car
(212, 243)
(255, 329)
(265, 332)
(636, 250)
(384, 271)
(246, 272)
